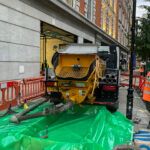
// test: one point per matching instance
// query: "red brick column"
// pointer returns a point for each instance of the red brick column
(117, 19)
(98, 12)
(82, 7)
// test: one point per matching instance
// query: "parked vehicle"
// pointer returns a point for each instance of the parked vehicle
(86, 74)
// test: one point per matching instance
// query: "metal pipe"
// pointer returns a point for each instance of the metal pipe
(104, 80)
(107, 76)
(114, 80)
(113, 76)
(109, 80)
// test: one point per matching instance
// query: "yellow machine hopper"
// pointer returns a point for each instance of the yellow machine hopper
(77, 70)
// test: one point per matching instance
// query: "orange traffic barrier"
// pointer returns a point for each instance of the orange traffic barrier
(9, 92)
(31, 88)
(124, 81)
(138, 81)
(142, 83)
(13, 93)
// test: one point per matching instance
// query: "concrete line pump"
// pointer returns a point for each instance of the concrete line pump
(82, 74)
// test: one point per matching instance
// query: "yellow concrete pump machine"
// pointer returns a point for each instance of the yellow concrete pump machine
(82, 74)
(86, 73)
(77, 69)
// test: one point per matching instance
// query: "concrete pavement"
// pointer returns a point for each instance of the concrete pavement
(139, 109)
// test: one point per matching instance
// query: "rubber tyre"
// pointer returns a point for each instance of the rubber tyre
(112, 108)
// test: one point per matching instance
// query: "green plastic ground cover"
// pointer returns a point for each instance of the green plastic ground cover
(80, 128)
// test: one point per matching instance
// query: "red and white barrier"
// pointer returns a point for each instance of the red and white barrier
(138, 81)
(9, 92)
(31, 88)
(16, 92)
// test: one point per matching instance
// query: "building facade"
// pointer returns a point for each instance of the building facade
(82, 21)
(112, 16)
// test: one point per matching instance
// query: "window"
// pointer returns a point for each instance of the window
(104, 17)
(75, 4)
(114, 28)
(120, 12)
(123, 19)
(124, 3)
(118, 33)
(111, 3)
(120, 36)
(127, 26)
(89, 9)
(110, 23)
(69, 2)
(115, 6)
(126, 41)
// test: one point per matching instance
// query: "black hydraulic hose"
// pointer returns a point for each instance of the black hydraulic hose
(107, 76)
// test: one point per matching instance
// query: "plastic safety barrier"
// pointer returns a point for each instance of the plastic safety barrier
(138, 81)
(31, 88)
(142, 83)
(13, 93)
(79, 128)
(9, 92)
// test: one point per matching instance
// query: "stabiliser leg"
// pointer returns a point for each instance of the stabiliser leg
(8, 112)
(58, 108)
(14, 117)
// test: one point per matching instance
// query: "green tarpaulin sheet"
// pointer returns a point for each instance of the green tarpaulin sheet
(80, 128)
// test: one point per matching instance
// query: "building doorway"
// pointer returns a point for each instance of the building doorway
(52, 39)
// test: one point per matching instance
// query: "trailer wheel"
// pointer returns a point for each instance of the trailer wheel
(113, 108)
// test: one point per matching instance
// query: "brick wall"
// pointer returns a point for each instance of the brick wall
(121, 15)
(82, 7)
(117, 19)
(98, 13)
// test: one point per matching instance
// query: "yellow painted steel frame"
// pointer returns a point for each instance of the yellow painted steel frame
(78, 90)
(72, 90)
